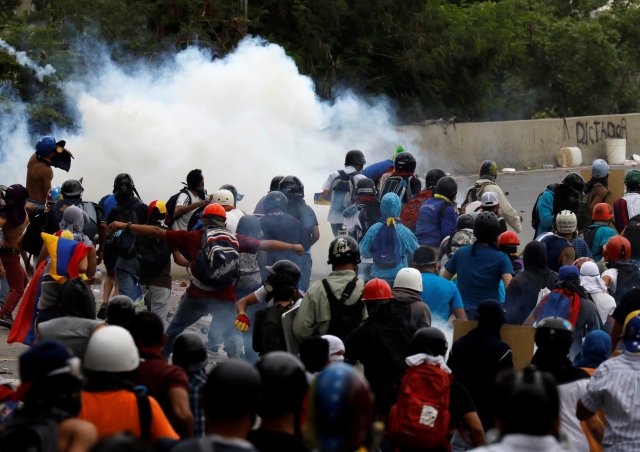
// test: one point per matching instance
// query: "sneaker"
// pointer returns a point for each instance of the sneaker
(6, 320)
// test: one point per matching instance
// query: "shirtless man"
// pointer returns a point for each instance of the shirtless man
(13, 220)
(39, 172)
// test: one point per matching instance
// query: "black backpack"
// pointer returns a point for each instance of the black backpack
(343, 190)
(344, 318)
(125, 240)
(632, 233)
(30, 435)
(171, 206)
(535, 215)
(31, 239)
(628, 278)
(589, 235)
(153, 254)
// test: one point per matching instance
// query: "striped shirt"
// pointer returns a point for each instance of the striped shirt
(615, 386)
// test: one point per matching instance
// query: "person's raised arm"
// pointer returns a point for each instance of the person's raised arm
(142, 229)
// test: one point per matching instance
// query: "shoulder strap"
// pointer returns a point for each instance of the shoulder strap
(346, 293)
(144, 411)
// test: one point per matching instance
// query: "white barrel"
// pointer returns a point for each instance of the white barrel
(569, 156)
(616, 150)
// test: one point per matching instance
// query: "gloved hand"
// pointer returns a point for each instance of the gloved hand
(102, 312)
(242, 322)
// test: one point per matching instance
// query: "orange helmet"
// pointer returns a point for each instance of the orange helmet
(617, 248)
(508, 238)
(377, 289)
(602, 212)
(215, 209)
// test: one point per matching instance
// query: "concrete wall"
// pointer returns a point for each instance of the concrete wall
(459, 148)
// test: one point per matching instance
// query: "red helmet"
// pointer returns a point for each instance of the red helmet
(508, 238)
(215, 209)
(617, 248)
(377, 289)
(602, 212)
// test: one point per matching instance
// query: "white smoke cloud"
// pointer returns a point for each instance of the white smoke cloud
(22, 59)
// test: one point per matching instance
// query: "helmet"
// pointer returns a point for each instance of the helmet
(486, 227)
(508, 238)
(632, 179)
(354, 157)
(579, 262)
(292, 187)
(45, 146)
(54, 195)
(408, 278)
(215, 209)
(234, 191)
(232, 390)
(465, 221)
(376, 290)
(120, 310)
(432, 178)
(566, 222)
(365, 186)
(275, 200)
(111, 349)
(599, 169)
(575, 181)
(489, 169)
(275, 181)
(71, 187)
(189, 352)
(602, 212)
(284, 384)
(448, 187)
(617, 248)
(343, 250)
(159, 205)
(122, 184)
(287, 268)
(224, 198)
(340, 409)
(405, 161)
(554, 332)
(429, 340)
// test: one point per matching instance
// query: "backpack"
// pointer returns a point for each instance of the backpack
(560, 303)
(249, 277)
(621, 214)
(386, 246)
(30, 435)
(171, 206)
(216, 264)
(420, 417)
(632, 233)
(565, 198)
(153, 254)
(31, 239)
(475, 193)
(590, 235)
(535, 215)
(90, 228)
(411, 209)
(584, 211)
(344, 318)
(343, 190)
(628, 278)
(124, 240)
(399, 185)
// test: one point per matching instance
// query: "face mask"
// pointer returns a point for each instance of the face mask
(336, 358)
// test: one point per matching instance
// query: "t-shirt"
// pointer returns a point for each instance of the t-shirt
(613, 274)
(181, 223)
(479, 275)
(337, 217)
(72, 332)
(190, 242)
(233, 218)
(440, 295)
(114, 412)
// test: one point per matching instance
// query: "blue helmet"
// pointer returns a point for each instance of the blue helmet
(275, 200)
(599, 169)
(45, 146)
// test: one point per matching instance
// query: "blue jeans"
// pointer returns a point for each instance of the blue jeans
(306, 271)
(221, 329)
(128, 276)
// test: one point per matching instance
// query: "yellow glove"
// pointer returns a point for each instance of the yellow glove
(242, 322)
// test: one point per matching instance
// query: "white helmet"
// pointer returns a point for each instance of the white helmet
(224, 198)
(566, 222)
(111, 349)
(408, 278)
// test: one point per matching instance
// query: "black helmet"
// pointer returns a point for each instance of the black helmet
(286, 268)
(232, 390)
(489, 170)
(486, 227)
(344, 250)
(432, 178)
(575, 181)
(429, 340)
(71, 187)
(448, 187)
(365, 186)
(189, 352)
(292, 187)
(275, 200)
(120, 310)
(123, 184)
(465, 221)
(275, 181)
(405, 161)
(236, 196)
(354, 158)
(554, 332)
(284, 384)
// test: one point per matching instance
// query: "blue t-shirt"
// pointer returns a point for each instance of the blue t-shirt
(440, 295)
(479, 275)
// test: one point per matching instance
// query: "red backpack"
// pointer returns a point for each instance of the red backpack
(411, 209)
(420, 418)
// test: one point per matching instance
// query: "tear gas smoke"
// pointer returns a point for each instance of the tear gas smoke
(22, 59)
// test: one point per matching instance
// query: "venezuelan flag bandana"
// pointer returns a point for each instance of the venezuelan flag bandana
(65, 255)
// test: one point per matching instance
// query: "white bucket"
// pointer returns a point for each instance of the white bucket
(569, 156)
(616, 150)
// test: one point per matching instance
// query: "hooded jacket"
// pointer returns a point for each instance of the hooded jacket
(408, 307)
(390, 207)
(435, 221)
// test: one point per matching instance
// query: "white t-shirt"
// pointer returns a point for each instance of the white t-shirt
(233, 218)
(613, 274)
(337, 217)
(570, 393)
(633, 204)
(180, 224)
(605, 304)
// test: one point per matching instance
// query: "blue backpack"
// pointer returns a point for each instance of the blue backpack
(560, 303)
(386, 246)
(217, 262)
